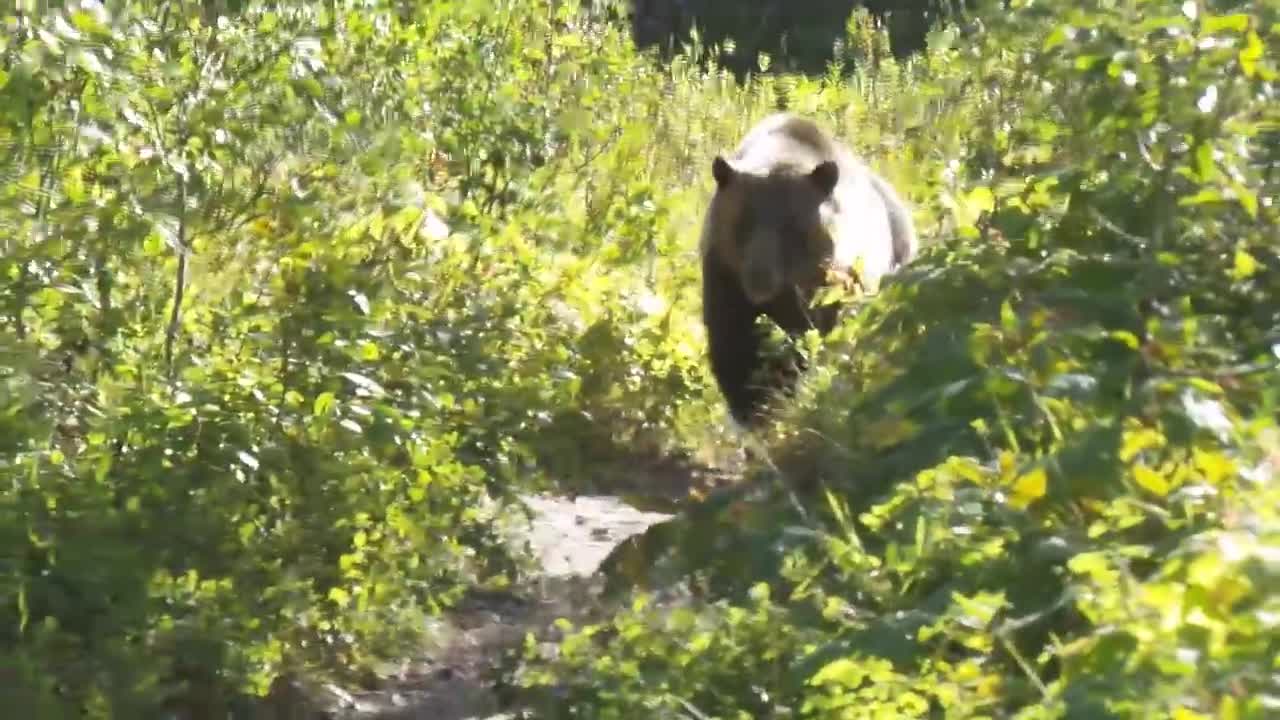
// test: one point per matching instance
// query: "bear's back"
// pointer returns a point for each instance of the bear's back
(786, 143)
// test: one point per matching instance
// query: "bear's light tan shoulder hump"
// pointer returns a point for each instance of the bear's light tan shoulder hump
(794, 128)
(789, 140)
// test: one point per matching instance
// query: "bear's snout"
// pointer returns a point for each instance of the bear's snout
(761, 283)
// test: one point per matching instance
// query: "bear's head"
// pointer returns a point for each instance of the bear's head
(771, 230)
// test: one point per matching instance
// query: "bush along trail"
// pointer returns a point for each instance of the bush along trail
(307, 308)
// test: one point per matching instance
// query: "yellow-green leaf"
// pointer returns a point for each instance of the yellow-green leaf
(1029, 487)
(1124, 336)
(1060, 34)
(1150, 480)
(1244, 265)
(1214, 466)
(1236, 22)
(1247, 198)
(844, 672)
(1251, 53)
(1135, 441)
(981, 199)
(323, 404)
(1008, 318)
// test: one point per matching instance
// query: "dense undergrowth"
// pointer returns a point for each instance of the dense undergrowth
(295, 297)
(291, 298)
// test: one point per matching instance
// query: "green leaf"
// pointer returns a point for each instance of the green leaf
(1244, 266)
(1246, 197)
(1150, 480)
(1248, 57)
(1236, 22)
(1058, 36)
(843, 672)
(364, 383)
(1085, 62)
(1206, 570)
(1029, 487)
(323, 404)
(1008, 318)
(88, 61)
(1204, 196)
(981, 199)
(1205, 167)
(1126, 338)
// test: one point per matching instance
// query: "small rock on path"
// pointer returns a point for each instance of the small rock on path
(572, 536)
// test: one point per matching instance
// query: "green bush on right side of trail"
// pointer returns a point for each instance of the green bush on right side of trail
(1040, 465)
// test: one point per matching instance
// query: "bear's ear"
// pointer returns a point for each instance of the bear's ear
(721, 171)
(825, 176)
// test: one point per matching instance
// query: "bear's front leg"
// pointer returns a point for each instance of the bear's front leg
(794, 314)
(734, 341)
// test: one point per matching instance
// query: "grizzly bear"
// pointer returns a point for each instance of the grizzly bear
(792, 207)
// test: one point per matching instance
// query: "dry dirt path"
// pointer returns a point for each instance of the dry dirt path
(569, 537)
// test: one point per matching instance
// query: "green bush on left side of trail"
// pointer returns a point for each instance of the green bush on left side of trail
(291, 297)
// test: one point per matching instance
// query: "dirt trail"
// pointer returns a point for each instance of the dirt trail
(569, 537)
(454, 678)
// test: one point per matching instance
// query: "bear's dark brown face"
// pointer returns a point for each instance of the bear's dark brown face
(770, 229)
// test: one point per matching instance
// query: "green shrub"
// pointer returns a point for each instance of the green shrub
(294, 298)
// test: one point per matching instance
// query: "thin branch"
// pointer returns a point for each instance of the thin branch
(689, 708)
(180, 281)
(1121, 232)
(1222, 373)
(209, 60)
